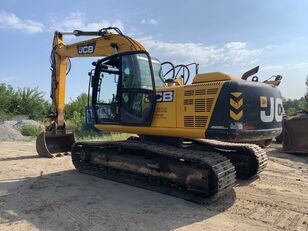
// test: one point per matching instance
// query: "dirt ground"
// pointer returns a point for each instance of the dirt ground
(48, 194)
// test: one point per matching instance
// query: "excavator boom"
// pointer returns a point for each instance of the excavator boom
(57, 139)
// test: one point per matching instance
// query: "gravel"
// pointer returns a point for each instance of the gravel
(9, 133)
(20, 124)
(10, 130)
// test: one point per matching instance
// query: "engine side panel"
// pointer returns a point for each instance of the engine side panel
(196, 104)
(181, 111)
(225, 110)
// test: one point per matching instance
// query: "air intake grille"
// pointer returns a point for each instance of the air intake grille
(195, 121)
(189, 121)
(212, 91)
(200, 92)
(199, 105)
(188, 101)
(200, 121)
(189, 93)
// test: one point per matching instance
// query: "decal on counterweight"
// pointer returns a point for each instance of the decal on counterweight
(236, 105)
(275, 109)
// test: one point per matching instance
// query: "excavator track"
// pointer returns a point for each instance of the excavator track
(249, 159)
(198, 176)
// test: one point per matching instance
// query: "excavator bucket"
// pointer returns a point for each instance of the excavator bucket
(295, 134)
(50, 144)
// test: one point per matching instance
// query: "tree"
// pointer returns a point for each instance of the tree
(304, 104)
(291, 106)
(6, 96)
(78, 105)
(75, 112)
(29, 101)
(25, 101)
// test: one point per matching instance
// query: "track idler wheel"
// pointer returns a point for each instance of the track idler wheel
(49, 144)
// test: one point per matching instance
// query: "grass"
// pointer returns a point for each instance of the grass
(31, 130)
(81, 133)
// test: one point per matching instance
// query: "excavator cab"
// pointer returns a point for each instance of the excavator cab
(132, 99)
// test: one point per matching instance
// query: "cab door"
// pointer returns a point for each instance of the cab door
(136, 89)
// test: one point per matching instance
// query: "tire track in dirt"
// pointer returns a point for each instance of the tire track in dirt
(89, 221)
(271, 214)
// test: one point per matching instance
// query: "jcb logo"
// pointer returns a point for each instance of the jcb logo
(164, 96)
(86, 49)
(275, 109)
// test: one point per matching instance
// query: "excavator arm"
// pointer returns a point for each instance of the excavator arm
(57, 139)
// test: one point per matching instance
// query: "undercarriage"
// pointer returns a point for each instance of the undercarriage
(197, 171)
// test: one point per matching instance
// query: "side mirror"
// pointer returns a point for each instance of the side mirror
(94, 63)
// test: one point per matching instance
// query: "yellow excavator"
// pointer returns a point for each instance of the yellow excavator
(194, 139)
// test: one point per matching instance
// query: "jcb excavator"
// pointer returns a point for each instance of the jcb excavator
(193, 139)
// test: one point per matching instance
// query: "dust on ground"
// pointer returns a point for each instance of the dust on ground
(48, 194)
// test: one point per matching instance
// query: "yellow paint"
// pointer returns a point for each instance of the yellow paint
(236, 116)
(169, 117)
(179, 81)
(263, 101)
(212, 76)
(156, 131)
(235, 104)
(165, 112)
(273, 82)
(102, 47)
(236, 94)
(197, 100)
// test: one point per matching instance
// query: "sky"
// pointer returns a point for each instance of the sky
(227, 36)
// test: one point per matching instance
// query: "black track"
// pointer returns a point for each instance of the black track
(95, 158)
(248, 159)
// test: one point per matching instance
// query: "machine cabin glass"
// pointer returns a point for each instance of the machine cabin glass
(124, 89)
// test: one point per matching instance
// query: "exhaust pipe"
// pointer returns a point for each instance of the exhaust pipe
(49, 144)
